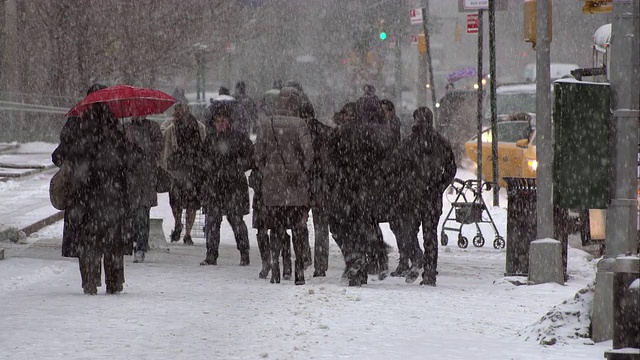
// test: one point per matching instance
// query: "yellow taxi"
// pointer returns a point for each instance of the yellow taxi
(516, 151)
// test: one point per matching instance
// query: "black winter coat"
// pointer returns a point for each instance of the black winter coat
(356, 152)
(419, 172)
(96, 189)
(226, 158)
(145, 149)
(319, 186)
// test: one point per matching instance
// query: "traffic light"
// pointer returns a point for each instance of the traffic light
(382, 30)
(530, 11)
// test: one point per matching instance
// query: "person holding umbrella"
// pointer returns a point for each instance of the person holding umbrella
(96, 189)
(96, 199)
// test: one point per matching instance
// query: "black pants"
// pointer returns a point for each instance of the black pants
(410, 228)
(278, 239)
(213, 221)
(91, 269)
(321, 241)
(139, 227)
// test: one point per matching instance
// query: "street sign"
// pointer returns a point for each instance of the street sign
(415, 15)
(414, 40)
(476, 4)
(420, 42)
(472, 23)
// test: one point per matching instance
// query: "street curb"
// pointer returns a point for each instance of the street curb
(43, 223)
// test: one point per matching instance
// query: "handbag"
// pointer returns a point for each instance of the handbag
(163, 181)
(58, 187)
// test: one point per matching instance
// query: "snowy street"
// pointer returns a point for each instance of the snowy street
(172, 308)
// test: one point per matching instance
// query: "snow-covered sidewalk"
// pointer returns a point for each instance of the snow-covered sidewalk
(172, 308)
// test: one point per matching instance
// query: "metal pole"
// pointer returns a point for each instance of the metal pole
(621, 226)
(422, 66)
(492, 94)
(544, 205)
(621, 223)
(479, 107)
(398, 71)
(432, 87)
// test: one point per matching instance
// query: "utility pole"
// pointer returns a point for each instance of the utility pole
(621, 222)
(492, 94)
(425, 26)
(479, 104)
(544, 206)
(422, 66)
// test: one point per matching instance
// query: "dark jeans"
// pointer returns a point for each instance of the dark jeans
(139, 220)
(279, 240)
(91, 269)
(411, 227)
(396, 227)
(213, 221)
(321, 246)
(356, 237)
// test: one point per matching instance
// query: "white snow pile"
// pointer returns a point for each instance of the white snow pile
(568, 322)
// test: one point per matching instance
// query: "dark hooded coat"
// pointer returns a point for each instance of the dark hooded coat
(420, 171)
(226, 158)
(97, 186)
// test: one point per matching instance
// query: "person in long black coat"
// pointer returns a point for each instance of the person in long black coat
(145, 149)
(227, 155)
(96, 200)
(425, 166)
(319, 189)
(72, 130)
(356, 150)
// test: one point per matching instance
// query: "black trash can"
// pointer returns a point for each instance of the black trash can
(521, 224)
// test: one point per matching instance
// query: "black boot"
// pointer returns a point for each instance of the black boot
(265, 255)
(402, 269)
(299, 274)
(286, 267)
(275, 273)
(244, 258)
(187, 240)
(175, 234)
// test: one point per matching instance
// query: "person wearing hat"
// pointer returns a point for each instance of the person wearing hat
(283, 155)
(227, 155)
(424, 165)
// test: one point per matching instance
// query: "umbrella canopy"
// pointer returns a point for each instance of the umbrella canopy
(126, 101)
(461, 74)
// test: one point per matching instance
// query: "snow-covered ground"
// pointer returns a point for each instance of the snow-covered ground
(172, 308)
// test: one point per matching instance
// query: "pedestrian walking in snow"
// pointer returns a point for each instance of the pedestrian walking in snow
(144, 151)
(319, 190)
(96, 200)
(227, 155)
(425, 165)
(259, 222)
(246, 112)
(356, 150)
(283, 155)
(182, 158)
(268, 101)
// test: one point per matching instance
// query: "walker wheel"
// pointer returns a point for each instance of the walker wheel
(478, 241)
(499, 243)
(444, 239)
(463, 242)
